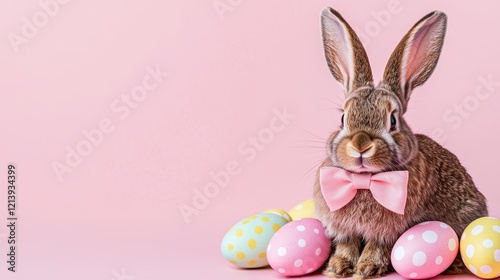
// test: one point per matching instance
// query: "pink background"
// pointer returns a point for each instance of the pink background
(118, 208)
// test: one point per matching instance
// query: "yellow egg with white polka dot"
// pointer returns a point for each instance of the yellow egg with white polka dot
(305, 209)
(480, 247)
(280, 212)
(245, 244)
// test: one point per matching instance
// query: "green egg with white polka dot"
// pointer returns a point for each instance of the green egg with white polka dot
(245, 244)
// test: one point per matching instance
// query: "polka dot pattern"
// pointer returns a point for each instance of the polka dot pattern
(252, 243)
(298, 263)
(258, 230)
(399, 254)
(430, 236)
(480, 247)
(472, 269)
(302, 243)
(245, 244)
(240, 255)
(276, 227)
(469, 251)
(477, 230)
(298, 248)
(452, 244)
(419, 258)
(305, 209)
(496, 228)
(485, 269)
(425, 250)
(487, 243)
(281, 251)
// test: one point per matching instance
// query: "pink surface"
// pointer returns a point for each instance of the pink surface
(142, 105)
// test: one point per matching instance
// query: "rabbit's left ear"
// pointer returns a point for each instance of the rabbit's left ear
(344, 52)
(416, 56)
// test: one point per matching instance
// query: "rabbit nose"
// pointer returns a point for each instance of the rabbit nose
(361, 145)
(365, 152)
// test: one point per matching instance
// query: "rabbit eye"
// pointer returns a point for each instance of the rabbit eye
(393, 122)
(342, 120)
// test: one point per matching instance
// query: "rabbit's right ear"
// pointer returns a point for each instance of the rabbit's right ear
(416, 56)
(344, 52)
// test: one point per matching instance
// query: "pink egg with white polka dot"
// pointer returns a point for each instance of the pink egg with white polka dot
(425, 250)
(299, 247)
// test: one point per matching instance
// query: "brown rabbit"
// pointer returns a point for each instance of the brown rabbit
(374, 137)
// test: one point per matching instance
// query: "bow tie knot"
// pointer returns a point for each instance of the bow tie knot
(361, 181)
(340, 186)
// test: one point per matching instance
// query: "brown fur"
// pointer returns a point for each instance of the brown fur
(364, 70)
(392, 75)
(439, 188)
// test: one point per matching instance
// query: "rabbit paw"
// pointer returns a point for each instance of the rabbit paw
(338, 267)
(375, 261)
(369, 269)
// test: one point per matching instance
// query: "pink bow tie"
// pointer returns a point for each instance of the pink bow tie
(339, 187)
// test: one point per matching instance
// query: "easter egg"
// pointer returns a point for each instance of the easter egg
(425, 250)
(480, 247)
(305, 209)
(246, 242)
(280, 212)
(299, 247)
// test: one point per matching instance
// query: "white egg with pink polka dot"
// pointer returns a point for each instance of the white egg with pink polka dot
(425, 250)
(299, 247)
